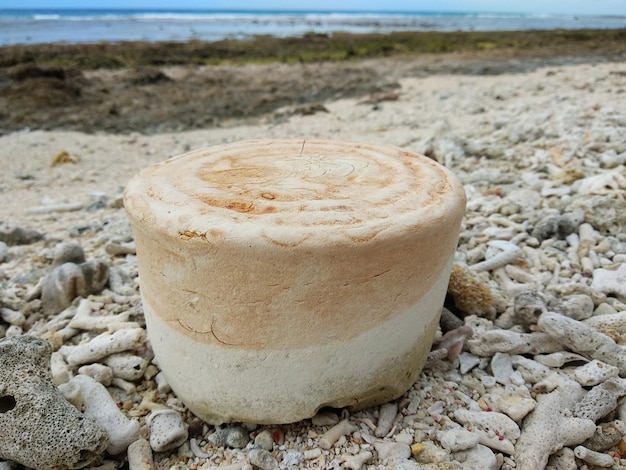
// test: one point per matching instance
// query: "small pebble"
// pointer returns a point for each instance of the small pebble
(68, 281)
(467, 361)
(386, 416)
(263, 459)
(98, 372)
(162, 385)
(264, 440)
(167, 430)
(579, 307)
(528, 307)
(311, 454)
(236, 437)
(427, 452)
(325, 418)
(12, 317)
(292, 458)
(471, 296)
(516, 407)
(19, 236)
(356, 462)
(594, 458)
(477, 458)
(333, 434)
(557, 226)
(457, 439)
(502, 367)
(68, 252)
(392, 450)
(140, 455)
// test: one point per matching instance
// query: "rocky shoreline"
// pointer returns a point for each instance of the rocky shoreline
(172, 87)
(528, 370)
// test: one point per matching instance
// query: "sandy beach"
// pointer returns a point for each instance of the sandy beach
(539, 142)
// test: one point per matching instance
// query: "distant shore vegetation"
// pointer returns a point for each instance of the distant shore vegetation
(312, 47)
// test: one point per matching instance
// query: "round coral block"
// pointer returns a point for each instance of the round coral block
(282, 276)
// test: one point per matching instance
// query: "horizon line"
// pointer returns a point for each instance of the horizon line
(299, 10)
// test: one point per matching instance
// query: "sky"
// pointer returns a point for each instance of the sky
(579, 7)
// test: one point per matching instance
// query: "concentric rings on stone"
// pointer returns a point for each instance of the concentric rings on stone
(289, 191)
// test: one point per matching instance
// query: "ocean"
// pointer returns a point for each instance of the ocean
(90, 25)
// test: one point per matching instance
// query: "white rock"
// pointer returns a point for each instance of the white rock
(311, 454)
(140, 455)
(489, 421)
(356, 462)
(583, 339)
(167, 429)
(564, 459)
(72, 393)
(610, 183)
(467, 361)
(408, 464)
(325, 418)
(262, 459)
(604, 323)
(488, 380)
(195, 449)
(532, 371)
(404, 438)
(517, 378)
(386, 416)
(98, 372)
(13, 331)
(558, 359)
(333, 434)
(59, 369)
(392, 450)
(12, 317)
(516, 407)
(477, 458)
(579, 306)
(610, 281)
(526, 198)
(83, 320)
(495, 442)
(601, 399)
(162, 385)
(502, 367)
(292, 458)
(506, 341)
(106, 344)
(4, 254)
(122, 384)
(594, 372)
(99, 406)
(430, 453)
(264, 440)
(610, 159)
(551, 382)
(126, 366)
(503, 253)
(594, 458)
(457, 439)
